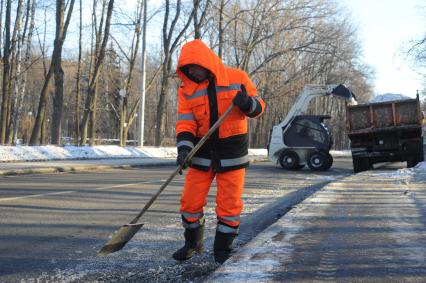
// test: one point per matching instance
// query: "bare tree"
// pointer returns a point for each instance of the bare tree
(170, 43)
(78, 78)
(55, 68)
(6, 71)
(199, 21)
(283, 45)
(1, 26)
(21, 76)
(58, 99)
(418, 50)
(90, 104)
(8, 65)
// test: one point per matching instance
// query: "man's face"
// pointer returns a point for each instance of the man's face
(198, 72)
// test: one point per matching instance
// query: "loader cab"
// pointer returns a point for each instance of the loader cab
(308, 131)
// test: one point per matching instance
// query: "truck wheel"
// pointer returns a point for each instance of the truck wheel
(412, 161)
(289, 160)
(361, 164)
(318, 161)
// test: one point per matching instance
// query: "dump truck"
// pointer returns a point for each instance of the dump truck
(389, 131)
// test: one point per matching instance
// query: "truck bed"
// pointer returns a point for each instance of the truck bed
(366, 117)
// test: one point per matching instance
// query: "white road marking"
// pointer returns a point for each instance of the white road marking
(70, 192)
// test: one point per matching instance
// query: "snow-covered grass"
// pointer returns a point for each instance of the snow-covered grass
(50, 152)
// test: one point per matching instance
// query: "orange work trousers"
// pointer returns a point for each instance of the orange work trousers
(230, 187)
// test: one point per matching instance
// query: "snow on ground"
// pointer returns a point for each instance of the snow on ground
(389, 97)
(340, 153)
(404, 173)
(50, 152)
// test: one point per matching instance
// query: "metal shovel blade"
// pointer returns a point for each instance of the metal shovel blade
(120, 238)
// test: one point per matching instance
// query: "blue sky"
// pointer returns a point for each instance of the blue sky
(386, 27)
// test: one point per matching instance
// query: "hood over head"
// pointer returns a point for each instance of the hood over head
(196, 52)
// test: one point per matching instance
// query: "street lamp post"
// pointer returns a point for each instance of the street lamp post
(143, 70)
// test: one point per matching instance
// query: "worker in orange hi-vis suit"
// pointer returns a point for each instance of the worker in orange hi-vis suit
(207, 90)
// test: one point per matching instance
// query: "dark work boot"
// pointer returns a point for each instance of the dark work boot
(194, 243)
(223, 246)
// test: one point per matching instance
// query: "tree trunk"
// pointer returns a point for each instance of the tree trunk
(1, 26)
(41, 112)
(58, 99)
(6, 73)
(221, 29)
(168, 49)
(161, 117)
(78, 84)
(125, 119)
(58, 74)
(55, 66)
(21, 95)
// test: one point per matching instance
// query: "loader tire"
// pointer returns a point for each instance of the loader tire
(329, 161)
(319, 161)
(289, 160)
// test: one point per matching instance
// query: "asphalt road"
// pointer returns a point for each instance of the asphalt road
(52, 225)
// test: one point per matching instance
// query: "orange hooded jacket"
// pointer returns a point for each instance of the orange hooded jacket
(201, 104)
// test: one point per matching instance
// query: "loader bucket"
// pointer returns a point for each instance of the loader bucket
(342, 91)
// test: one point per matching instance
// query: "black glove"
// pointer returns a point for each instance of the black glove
(242, 100)
(180, 160)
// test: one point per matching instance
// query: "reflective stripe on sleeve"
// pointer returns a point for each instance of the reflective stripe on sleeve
(188, 116)
(234, 161)
(186, 143)
(201, 161)
(203, 92)
(228, 88)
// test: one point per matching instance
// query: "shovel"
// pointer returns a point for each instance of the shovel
(126, 232)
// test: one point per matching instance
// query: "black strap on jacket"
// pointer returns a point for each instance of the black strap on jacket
(214, 116)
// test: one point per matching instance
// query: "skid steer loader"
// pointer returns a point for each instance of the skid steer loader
(304, 139)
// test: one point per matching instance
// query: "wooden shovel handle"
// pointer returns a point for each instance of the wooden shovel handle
(188, 158)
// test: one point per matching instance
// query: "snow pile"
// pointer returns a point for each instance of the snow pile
(50, 152)
(404, 173)
(389, 97)
(340, 153)
(421, 167)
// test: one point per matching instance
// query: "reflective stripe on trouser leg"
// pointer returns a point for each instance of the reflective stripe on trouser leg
(192, 225)
(224, 228)
(229, 205)
(195, 190)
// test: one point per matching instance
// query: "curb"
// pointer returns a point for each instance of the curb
(79, 168)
